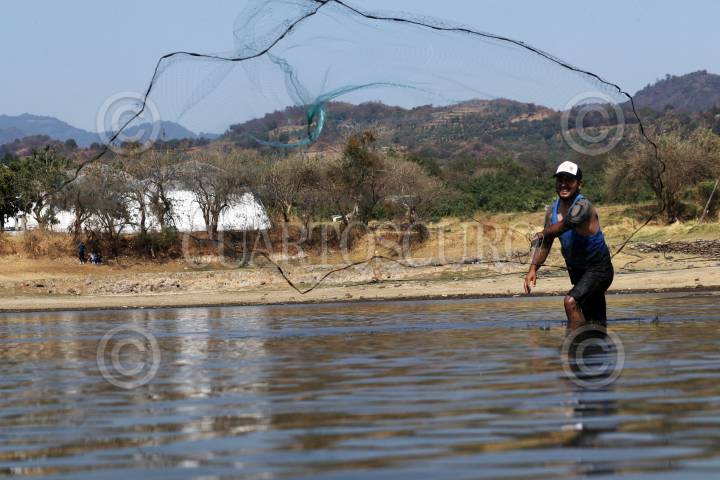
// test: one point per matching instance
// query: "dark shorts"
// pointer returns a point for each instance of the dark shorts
(589, 287)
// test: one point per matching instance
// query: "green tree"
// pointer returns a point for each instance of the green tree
(430, 165)
(9, 202)
(360, 175)
(507, 186)
(39, 179)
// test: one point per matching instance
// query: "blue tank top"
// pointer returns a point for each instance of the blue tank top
(581, 251)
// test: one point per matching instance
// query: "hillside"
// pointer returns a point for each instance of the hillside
(487, 121)
(694, 92)
(168, 131)
(26, 125)
(26, 145)
(18, 127)
(472, 128)
(477, 129)
(452, 135)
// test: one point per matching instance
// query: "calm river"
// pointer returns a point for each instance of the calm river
(400, 390)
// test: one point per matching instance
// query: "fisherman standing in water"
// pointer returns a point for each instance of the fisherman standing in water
(575, 221)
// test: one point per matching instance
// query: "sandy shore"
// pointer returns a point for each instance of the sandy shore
(256, 287)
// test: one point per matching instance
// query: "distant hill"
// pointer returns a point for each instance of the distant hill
(168, 131)
(694, 92)
(26, 125)
(476, 121)
(11, 134)
(459, 134)
(475, 129)
(209, 136)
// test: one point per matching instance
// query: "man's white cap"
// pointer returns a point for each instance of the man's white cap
(569, 168)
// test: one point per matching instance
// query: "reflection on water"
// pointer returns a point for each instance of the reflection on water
(461, 389)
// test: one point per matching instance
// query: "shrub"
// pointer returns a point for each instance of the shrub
(509, 187)
(164, 243)
(449, 203)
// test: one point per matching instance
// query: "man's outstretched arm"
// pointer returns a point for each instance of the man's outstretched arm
(541, 246)
(554, 230)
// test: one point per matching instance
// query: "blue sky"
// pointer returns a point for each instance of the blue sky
(65, 58)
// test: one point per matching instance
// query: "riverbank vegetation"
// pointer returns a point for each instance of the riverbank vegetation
(122, 204)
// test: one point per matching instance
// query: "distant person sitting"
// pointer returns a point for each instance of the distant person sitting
(95, 258)
(81, 253)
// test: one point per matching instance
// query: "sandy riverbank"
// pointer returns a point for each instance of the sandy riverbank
(255, 287)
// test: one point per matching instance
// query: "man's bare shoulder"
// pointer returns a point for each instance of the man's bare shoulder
(581, 212)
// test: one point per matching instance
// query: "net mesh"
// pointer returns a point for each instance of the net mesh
(308, 53)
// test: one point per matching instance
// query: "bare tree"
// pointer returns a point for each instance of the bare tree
(216, 179)
(78, 197)
(688, 160)
(286, 184)
(112, 203)
(163, 170)
(408, 189)
(154, 174)
(364, 178)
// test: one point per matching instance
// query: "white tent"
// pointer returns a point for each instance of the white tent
(245, 214)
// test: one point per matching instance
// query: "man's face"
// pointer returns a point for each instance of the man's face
(566, 186)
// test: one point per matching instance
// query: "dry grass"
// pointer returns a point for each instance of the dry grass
(487, 236)
(38, 243)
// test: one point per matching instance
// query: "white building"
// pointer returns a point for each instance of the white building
(245, 214)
